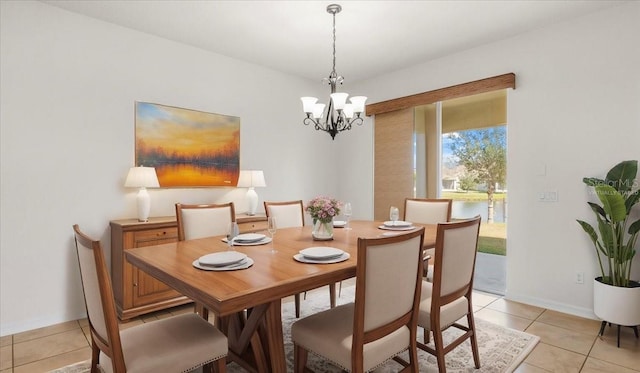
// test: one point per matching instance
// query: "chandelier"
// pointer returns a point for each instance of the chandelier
(338, 116)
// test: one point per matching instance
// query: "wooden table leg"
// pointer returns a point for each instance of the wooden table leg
(275, 337)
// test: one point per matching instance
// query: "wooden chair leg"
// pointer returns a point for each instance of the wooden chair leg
(95, 357)
(332, 295)
(221, 365)
(297, 302)
(426, 337)
(207, 368)
(299, 359)
(474, 340)
(439, 344)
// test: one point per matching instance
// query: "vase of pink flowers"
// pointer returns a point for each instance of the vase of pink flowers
(322, 210)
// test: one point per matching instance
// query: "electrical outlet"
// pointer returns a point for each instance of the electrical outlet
(579, 277)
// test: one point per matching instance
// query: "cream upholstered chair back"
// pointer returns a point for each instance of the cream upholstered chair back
(456, 246)
(288, 214)
(98, 293)
(198, 221)
(389, 281)
(427, 211)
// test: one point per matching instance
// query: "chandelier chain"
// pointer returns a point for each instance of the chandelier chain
(334, 46)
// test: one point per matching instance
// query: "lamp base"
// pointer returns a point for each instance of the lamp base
(252, 199)
(144, 204)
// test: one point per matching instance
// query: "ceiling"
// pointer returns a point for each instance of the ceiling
(295, 37)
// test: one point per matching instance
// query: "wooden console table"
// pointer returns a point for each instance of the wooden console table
(136, 293)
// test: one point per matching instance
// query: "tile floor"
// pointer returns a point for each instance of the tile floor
(567, 343)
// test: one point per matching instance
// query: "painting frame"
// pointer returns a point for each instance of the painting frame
(188, 148)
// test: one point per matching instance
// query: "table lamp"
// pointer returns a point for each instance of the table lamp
(251, 179)
(143, 178)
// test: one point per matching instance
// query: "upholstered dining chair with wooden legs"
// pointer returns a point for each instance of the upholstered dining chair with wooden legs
(175, 344)
(205, 220)
(382, 322)
(448, 298)
(198, 221)
(291, 214)
(427, 211)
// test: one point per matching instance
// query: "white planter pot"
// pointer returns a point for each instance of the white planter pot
(617, 305)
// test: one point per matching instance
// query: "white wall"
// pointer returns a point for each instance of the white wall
(575, 112)
(68, 89)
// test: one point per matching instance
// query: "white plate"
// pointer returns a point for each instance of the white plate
(321, 252)
(223, 258)
(254, 243)
(243, 264)
(397, 228)
(249, 237)
(339, 223)
(303, 259)
(398, 223)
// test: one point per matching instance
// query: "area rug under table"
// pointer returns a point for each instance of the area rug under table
(501, 349)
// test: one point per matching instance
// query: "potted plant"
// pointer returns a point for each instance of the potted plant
(616, 296)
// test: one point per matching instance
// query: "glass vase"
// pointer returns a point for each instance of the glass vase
(322, 230)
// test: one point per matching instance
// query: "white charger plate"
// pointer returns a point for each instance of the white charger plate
(397, 224)
(243, 264)
(303, 259)
(397, 228)
(321, 252)
(255, 243)
(220, 259)
(249, 237)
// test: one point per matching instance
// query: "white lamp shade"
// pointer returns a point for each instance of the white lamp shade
(348, 111)
(317, 110)
(308, 104)
(339, 99)
(358, 103)
(251, 179)
(142, 177)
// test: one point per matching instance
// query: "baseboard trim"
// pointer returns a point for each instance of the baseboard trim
(555, 306)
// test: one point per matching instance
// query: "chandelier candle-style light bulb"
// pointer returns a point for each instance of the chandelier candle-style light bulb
(338, 115)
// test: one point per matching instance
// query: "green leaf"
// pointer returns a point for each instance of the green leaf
(606, 235)
(589, 229)
(632, 200)
(622, 175)
(612, 202)
(598, 209)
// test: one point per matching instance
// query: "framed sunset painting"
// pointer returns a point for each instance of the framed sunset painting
(188, 148)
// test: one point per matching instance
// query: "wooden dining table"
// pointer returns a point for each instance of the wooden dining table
(247, 303)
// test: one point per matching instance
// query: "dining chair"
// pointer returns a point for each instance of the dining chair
(382, 322)
(291, 214)
(448, 298)
(174, 344)
(427, 211)
(198, 221)
(205, 220)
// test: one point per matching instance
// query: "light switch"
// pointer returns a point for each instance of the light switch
(548, 196)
